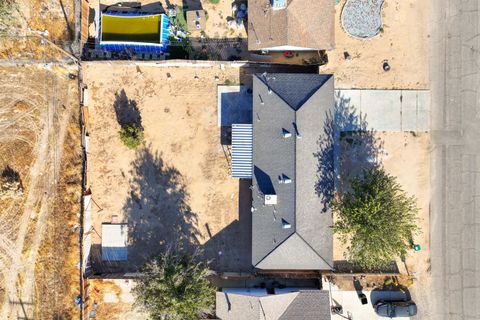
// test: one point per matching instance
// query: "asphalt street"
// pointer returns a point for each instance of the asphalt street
(455, 120)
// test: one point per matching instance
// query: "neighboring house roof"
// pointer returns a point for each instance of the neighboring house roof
(295, 233)
(303, 23)
(301, 305)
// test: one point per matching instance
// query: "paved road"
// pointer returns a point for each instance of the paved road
(455, 206)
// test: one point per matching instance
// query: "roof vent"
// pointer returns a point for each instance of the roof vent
(261, 100)
(284, 179)
(270, 199)
(286, 133)
(285, 224)
(279, 4)
(269, 90)
(297, 133)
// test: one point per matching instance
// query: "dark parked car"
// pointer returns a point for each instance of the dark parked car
(395, 309)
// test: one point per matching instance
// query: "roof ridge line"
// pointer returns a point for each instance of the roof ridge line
(276, 93)
(316, 88)
(308, 244)
(297, 134)
(265, 82)
(275, 248)
(290, 304)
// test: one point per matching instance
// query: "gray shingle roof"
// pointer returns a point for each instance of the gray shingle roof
(309, 305)
(301, 305)
(304, 23)
(295, 233)
(294, 88)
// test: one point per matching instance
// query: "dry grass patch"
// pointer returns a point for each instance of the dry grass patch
(56, 273)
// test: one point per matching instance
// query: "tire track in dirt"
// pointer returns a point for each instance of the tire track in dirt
(18, 301)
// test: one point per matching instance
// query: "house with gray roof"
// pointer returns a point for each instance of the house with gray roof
(290, 228)
(278, 25)
(295, 305)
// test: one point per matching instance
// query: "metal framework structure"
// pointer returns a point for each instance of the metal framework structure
(242, 151)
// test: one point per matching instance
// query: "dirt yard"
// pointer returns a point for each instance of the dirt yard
(37, 103)
(32, 21)
(398, 151)
(176, 188)
(403, 42)
(56, 17)
(113, 299)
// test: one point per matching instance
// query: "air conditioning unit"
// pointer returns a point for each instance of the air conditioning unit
(270, 199)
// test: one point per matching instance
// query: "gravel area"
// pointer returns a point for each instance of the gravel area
(362, 18)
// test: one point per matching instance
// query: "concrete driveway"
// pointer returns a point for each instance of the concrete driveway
(390, 110)
(353, 308)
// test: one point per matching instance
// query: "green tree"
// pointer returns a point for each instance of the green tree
(175, 286)
(376, 219)
(131, 135)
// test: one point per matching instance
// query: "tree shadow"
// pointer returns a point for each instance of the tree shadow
(126, 110)
(347, 147)
(10, 181)
(10, 174)
(157, 211)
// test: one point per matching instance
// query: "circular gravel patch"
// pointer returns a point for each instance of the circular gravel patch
(362, 18)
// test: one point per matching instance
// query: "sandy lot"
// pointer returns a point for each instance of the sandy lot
(404, 43)
(176, 188)
(37, 103)
(396, 152)
(113, 298)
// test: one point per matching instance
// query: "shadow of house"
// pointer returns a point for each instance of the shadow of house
(230, 250)
(235, 104)
(264, 181)
(126, 110)
(344, 125)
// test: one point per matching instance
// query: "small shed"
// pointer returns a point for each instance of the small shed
(114, 241)
(196, 20)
